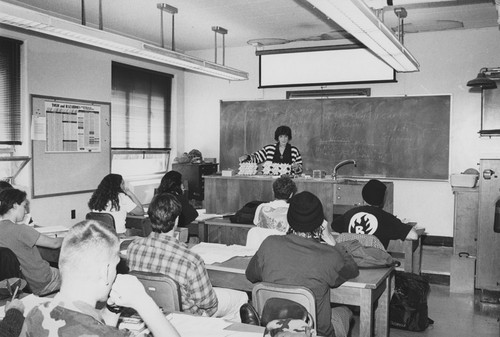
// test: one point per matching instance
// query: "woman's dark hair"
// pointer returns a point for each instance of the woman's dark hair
(162, 211)
(171, 183)
(9, 197)
(108, 190)
(283, 130)
(4, 185)
(283, 188)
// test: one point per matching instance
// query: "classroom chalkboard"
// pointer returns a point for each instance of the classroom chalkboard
(393, 137)
(67, 172)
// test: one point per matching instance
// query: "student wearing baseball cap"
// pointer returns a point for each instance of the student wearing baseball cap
(372, 219)
(299, 258)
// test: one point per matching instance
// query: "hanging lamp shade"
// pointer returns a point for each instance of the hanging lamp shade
(482, 81)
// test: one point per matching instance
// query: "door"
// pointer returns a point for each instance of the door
(488, 244)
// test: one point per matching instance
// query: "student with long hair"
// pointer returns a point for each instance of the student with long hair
(113, 197)
(22, 240)
(172, 183)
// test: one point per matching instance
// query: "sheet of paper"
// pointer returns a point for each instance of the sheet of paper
(215, 252)
(38, 127)
(191, 325)
(208, 216)
(51, 229)
(196, 326)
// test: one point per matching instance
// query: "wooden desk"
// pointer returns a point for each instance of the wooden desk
(372, 286)
(410, 250)
(222, 230)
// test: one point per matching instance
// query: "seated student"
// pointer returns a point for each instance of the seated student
(161, 252)
(299, 258)
(273, 214)
(89, 255)
(27, 220)
(172, 183)
(22, 240)
(12, 323)
(113, 197)
(373, 219)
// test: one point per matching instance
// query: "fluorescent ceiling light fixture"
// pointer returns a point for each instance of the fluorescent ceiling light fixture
(27, 19)
(362, 23)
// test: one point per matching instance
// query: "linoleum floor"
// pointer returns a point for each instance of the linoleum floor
(454, 315)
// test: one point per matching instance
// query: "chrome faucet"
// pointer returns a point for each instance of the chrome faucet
(342, 163)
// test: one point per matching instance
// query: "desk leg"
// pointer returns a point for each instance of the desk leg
(366, 313)
(408, 251)
(202, 231)
(417, 256)
(382, 312)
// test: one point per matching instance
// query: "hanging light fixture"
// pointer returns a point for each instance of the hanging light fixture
(30, 20)
(484, 79)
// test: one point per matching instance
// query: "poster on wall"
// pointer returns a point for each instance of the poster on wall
(72, 127)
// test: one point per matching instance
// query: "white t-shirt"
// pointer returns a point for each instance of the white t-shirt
(126, 205)
(272, 215)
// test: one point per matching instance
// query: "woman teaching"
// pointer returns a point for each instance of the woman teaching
(281, 152)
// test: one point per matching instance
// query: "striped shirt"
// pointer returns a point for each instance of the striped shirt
(161, 253)
(267, 154)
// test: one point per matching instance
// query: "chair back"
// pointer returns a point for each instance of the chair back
(9, 264)
(256, 235)
(164, 290)
(105, 218)
(264, 291)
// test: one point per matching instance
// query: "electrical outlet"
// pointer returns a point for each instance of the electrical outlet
(73, 214)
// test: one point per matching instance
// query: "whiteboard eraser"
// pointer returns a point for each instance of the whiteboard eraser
(227, 173)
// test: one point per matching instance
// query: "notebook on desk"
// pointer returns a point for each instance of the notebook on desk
(52, 231)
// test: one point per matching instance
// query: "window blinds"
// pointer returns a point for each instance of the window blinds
(10, 91)
(141, 103)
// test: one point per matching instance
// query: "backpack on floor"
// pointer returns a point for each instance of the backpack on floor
(408, 308)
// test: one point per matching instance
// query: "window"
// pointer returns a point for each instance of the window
(10, 91)
(140, 117)
(140, 121)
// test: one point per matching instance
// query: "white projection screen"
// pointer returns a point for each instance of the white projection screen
(338, 66)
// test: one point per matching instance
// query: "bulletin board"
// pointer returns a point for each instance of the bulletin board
(71, 145)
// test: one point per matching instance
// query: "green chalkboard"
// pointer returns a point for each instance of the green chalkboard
(393, 137)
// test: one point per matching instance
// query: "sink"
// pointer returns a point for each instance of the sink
(352, 180)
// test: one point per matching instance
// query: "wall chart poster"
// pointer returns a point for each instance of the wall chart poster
(72, 127)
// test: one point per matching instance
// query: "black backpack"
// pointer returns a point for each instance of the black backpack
(246, 214)
(408, 308)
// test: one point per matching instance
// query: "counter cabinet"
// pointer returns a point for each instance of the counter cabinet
(228, 194)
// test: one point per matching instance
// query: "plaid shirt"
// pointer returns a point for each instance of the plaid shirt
(160, 253)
